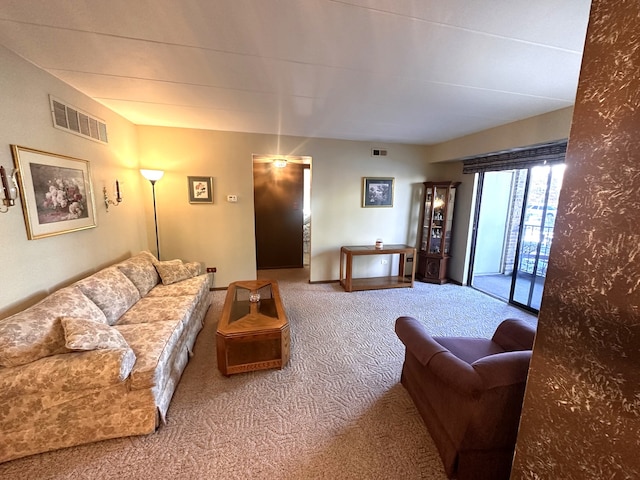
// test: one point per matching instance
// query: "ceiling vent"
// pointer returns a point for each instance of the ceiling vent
(378, 152)
(73, 120)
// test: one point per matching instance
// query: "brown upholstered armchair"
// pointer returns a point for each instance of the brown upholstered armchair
(469, 392)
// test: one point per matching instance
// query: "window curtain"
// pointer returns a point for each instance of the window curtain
(546, 154)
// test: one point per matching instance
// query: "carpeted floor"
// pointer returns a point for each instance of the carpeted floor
(336, 411)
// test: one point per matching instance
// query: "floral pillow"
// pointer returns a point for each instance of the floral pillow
(194, 268)
(82, 334)
(140, 270)
(111, 290)
(172, 271)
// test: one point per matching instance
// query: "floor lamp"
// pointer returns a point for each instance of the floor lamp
(153, 176)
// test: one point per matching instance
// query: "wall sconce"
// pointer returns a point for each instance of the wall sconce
(107, 201)
(280, 162)
(9, 190)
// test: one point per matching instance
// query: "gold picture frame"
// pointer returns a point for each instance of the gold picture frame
(377, 191)
(56, 192)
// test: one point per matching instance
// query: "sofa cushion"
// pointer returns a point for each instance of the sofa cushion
(81, 334)
(112, 291)
(172, 271)
(37, 332)
(192, 286)
(153, 344)
(141, 271)
(160, 309)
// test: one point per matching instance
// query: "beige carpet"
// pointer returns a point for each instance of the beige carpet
(337, 411)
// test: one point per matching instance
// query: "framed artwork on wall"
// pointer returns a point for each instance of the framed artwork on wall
(377, 192)
(200, 189)
(56, 192)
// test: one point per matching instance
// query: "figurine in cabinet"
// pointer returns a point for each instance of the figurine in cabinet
(435, 234)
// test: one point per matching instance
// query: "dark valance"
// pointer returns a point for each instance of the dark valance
(548, 153)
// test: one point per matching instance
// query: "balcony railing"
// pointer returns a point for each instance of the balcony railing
(536, 243)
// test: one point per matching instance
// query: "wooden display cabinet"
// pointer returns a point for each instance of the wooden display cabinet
(435, 232)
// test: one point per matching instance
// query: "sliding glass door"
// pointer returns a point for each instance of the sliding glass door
(513, 230)
(538, 219)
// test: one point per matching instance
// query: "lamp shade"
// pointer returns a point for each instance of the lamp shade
(152, 175)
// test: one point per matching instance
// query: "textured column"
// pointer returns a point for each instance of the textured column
(581, 412)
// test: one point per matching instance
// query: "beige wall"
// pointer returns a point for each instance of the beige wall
(531, 131)
(222, 235)
(32, 268)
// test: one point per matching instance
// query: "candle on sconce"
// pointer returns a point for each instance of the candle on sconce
(118, 197)
(5, 184)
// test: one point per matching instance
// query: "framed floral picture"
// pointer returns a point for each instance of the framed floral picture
(200, 189)
(56, 192)
(377, 192)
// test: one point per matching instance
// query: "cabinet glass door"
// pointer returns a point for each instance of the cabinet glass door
(449, 220)
(428, 215)
(437, 222)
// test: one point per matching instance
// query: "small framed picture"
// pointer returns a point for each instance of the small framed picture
(200, 189)
(377, 192)
(56, 192)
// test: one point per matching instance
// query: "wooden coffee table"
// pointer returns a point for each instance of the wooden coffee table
(252, 335)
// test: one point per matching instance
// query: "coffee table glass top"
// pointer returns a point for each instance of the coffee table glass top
(250, 299)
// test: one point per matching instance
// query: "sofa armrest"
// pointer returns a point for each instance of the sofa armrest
(68, 371)
(449, 369)
(503, 369)
(514, 334)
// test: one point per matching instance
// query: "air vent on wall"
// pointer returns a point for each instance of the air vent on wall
(77, 122)
(378, 152)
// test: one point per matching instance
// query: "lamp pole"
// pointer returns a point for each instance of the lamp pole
(153, 176)
(155, 216)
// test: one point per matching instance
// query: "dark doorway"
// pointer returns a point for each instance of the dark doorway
(278, 203)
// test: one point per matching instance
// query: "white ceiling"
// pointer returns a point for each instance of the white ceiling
(413, 71)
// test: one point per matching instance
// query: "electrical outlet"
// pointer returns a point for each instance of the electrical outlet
(232, 198)
(211, 270)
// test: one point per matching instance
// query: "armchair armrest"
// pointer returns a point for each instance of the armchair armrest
(514, 334)
(503, 369)
(415, 337)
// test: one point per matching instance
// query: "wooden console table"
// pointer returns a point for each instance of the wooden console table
(351, 284)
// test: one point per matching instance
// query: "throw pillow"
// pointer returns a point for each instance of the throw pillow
(140, 270)
(194, 267)
(111, 290)
(82, 334)
(172, 271)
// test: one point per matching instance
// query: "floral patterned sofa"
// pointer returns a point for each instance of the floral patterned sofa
(100, 358)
